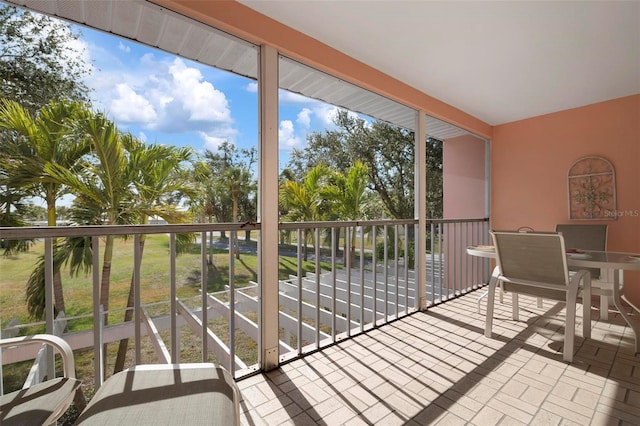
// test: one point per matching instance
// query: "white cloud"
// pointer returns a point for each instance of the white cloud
(327, 113)
(304, 117)
(124, 48)
(287, 97)
(129, 107)
(287, 139)
(211, 143)
(170, 96)
(252, 87)
(203, 101)
(104, 81)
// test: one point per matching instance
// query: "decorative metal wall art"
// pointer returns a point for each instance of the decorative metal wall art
(591, 184)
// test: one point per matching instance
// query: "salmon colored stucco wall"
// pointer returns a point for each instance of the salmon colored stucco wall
(530, 160)
(464, 178)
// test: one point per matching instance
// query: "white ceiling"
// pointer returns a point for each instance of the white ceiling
(498, 61)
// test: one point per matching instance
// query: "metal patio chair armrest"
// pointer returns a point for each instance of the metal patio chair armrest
(45, 402)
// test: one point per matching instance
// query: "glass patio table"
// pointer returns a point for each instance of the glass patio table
(615, 261)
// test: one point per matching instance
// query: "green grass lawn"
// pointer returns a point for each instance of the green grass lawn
(154, 279)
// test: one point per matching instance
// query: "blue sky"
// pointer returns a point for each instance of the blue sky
(162, 98)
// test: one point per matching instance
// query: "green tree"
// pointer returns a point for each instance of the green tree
(39, 60)
(103, 187)
(305, 202)
(35, 213)
(210, 196)
(62, 212)
(348, 192)
(388, 153)
(231, 187)
(156, 176)
(39, 63)
(12, 208)
(123, 181)
(36, 142)
(240, 185)
(348, 197)
(12, 211)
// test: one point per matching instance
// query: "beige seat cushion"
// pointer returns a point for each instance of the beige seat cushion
(39, 404)
(198, 394)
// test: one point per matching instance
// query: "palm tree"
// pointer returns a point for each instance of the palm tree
(11, 210)
(40, 141)
(304, 201)
(123, 182)
(349, 196)
(103, 187)
(239, 182)
(201, 203)
(158, 176)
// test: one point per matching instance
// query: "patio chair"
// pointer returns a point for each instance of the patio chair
(486, 293)
(45, 402)
(591, 237)
(158, 394)
(535, 264)
(166, 394)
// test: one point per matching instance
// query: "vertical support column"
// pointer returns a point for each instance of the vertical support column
(48, 301)
(268, 207)
(98, 315)
(48, 280)
(420, 200)
(233, 244)
(175, 347)
(204, 273)
(137, 300)
(487, 177)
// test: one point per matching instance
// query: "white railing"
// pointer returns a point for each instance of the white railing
(330, 296)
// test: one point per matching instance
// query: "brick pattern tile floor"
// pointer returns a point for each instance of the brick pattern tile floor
(437, 367)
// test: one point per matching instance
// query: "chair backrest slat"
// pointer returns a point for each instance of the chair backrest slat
(584, 237)
(532, 256)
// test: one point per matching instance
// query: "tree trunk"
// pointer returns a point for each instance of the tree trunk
(345, 252)
(337, 241)
(305, 256)
(210, 248)
(57, 287)
(235, 192)
(128, 316)
(353, 247)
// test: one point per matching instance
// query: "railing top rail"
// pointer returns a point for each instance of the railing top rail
(104, 230)
(346, 223)
(482, 219)
(379, 222)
